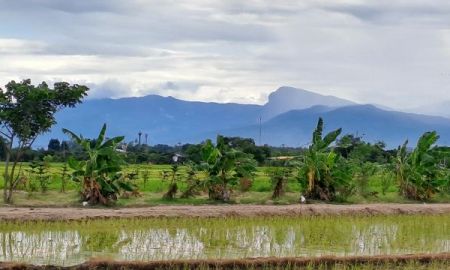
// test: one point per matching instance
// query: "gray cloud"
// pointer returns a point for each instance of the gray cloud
(418, 13)
(238, 51)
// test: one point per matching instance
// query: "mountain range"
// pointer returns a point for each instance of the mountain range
(288, 118)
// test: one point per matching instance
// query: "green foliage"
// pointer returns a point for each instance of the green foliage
(322, 171)
(173, 186)
(363, 171)
(387, 178)
(145, 177)
(40, 174)
(279, 177)
(64, 174)
(54, 145)
(101, 173)
(224, 166)
(27, 111)
(353, 147)
(248, 146)
(419, 173)
(194, 183)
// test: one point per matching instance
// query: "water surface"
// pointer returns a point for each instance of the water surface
(68, 243)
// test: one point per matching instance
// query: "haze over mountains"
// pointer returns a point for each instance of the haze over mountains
(438, 109)
(288, 118)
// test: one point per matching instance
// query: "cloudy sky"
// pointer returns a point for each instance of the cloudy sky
(394, 53)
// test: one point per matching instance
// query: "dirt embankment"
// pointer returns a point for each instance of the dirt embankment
(11, 213)
(390, 262)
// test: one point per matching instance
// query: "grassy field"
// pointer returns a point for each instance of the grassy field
(153, 189)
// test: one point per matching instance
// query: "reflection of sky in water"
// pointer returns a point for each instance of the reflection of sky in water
(71, 247)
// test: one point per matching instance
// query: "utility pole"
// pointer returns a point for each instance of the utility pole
(146, 137)
(260, 130)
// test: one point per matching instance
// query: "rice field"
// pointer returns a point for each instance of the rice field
(66, 243)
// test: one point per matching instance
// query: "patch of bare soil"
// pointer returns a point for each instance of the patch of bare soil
(22, 214)
(389, 261)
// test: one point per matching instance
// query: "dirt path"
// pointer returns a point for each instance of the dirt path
(11, 213)
(421, 261)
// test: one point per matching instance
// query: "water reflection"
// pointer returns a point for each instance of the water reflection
(68, 247)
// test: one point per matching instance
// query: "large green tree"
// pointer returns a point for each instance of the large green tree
(26, 111)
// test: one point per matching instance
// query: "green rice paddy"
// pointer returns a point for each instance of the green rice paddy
(74, 242)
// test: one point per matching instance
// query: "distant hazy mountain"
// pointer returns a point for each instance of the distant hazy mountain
(167, 120)
(288, 98)
(439, 109)
(374, 124)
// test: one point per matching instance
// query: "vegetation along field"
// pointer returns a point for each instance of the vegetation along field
(234, 170)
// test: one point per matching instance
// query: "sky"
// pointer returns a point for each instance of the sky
(391, 53)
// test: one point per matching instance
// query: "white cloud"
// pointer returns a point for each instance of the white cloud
(395, 54)
(20, 46)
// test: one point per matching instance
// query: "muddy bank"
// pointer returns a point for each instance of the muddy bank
(12, 213)
(381, 262)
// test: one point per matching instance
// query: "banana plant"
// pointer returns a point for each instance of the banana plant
(224, 166)
(100, 174)
(319, 174)
(173, 186)
(419, 173)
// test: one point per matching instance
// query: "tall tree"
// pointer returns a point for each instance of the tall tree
(54, 145)
(27, 111)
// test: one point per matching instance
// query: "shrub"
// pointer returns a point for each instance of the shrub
(418, 172)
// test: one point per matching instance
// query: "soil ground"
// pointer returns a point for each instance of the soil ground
(391, 262)
(69, 213)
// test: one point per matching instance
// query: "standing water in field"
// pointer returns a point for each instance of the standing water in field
(73, 242)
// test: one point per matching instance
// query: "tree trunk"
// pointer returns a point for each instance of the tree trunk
(7, 198)
(6, 179)
(170, 195)
(219, 192)
(191, 190)
(321, 192)
(279, 188)
(10, 180)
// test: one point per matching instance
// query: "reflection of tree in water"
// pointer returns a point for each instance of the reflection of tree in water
(376, 239)
(215, 238)
(100, 241)
(160, 244)
(41, 248)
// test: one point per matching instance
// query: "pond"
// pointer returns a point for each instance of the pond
(72, 242)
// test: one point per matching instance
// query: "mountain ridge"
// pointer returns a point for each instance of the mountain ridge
(168, 120)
